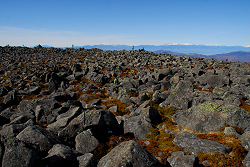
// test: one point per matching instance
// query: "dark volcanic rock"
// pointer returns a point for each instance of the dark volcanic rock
(180, 97)
(129, 153)
(18, 153)
(246, 161)
(14, 129)
(46, 93)
(213, 116)
(38, 136)
(87, 160)
(190, 142)
(61, 155)
(100, 121)
(245, 138)
(136, 125)
(11, 98)
(86, 142)
(178, 159)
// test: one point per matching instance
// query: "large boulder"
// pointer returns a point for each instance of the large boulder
(213, 80)
(18, 153)
(245, 140)
(100, 121)
(14, 129)
(178, 159)
(150, 114)
(213, 116)
(86, 142)
(63, 120)
(6, 115)
(87, 160)
(129, 153)
(180, 97)
(11, 98)
(190, 142)
(61, 156)
(246, 161)
(38, 136)
(137, 126)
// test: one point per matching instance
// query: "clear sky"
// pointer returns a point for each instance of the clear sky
(153, 22)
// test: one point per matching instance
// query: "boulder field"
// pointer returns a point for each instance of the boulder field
(94, 108)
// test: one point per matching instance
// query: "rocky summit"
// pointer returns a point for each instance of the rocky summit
(89, 107)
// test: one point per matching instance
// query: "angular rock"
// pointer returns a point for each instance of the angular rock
(245, 140)
(214, 80)
(86, 142)
(7, 113)
(61, 155)
(137, 126)
(19, 120)
(34, 91)
(14, 129)
(88, 119)
(180, 159)
(190, 142)
(18, 153)
(87, 160)
(231, 131)
(246, 161)
(213, 116)
(129, 153)
(11, 98)
(143, 97)
(38, 136)
(180, 97)
(150, 114)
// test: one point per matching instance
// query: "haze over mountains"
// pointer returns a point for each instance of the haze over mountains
(221, 52)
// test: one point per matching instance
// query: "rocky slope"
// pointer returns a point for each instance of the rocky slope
(88, 107)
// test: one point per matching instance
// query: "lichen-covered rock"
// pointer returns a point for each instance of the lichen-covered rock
(213, 116)
(129, 153)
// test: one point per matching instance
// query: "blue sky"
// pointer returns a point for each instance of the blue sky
(153, 22)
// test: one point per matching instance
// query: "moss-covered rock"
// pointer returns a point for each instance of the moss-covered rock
(212, 116)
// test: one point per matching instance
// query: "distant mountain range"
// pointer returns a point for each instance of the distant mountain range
(242, 56)
(232, 53)
(199, 49)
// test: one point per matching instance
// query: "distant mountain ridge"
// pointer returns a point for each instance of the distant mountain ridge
(232, 53)
(241, 56)
(199, 49)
